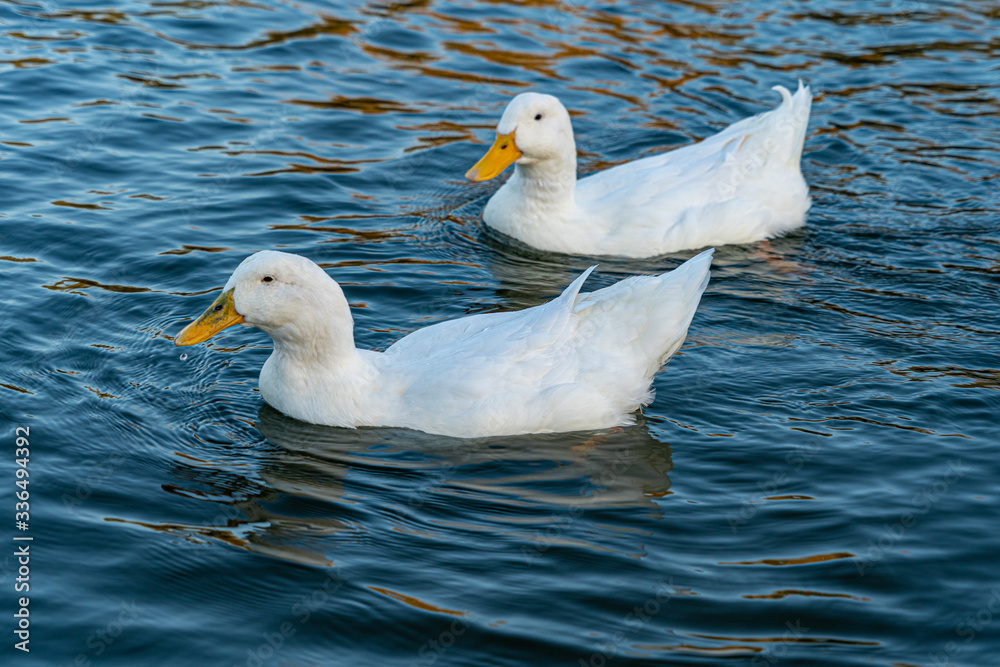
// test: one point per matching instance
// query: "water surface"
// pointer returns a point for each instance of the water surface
(815, 483)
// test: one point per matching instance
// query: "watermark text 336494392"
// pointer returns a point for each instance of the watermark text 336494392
(22, 548)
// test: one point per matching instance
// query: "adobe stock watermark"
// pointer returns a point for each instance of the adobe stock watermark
(129, 100)
(968, 629)
(775, 652)
(796, 460)
(405, 169)
(556, 529)
(922, 503)
(359, 39)
(901, 12)
(435, 648)
(104, 638)
(724, 22)
(217, 183)
(737, 168)
(33, 17)
(633, 621)
(563, 12)
(302, 610)
(416, 498)
(762, 322)
(91, 479)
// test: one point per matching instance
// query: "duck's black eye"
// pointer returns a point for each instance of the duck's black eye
(218, 308)
(538, 116)
(267, 279)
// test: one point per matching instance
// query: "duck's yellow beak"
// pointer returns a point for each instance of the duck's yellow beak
(501, 155)
(220, 315)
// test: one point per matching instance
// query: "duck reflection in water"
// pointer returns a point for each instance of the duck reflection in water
(619, 468)
(321, 485)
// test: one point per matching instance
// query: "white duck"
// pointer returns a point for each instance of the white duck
(581, 361)
(741, 185)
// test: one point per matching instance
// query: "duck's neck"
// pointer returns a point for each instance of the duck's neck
(320, 333)
(551, 180)
(537, 202)
(315, 372)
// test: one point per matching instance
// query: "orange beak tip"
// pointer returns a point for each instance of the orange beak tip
(220, 315)
(501, 155)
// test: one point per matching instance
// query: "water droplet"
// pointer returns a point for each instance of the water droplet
(184, 356)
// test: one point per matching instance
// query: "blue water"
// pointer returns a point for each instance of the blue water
(816, 482)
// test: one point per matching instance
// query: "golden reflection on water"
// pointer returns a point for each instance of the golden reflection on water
(779, 639)
(187, 248)
(803, 560)
(416, 603)
(74, 285)
(778, 595)
(326, 25)
(241, 535)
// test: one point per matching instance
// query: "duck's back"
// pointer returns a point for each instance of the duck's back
(738, 186)
(579, 362)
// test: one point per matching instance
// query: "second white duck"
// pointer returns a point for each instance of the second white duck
(741, 185)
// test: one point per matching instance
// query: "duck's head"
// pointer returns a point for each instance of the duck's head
(275, 291)
(534, 128)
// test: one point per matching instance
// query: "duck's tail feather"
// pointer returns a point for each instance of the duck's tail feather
(571, 293)
(645, 318)
(684, 285)
(791, 120)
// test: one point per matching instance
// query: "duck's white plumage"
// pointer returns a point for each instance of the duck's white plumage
(741, 185)
(581, 361)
